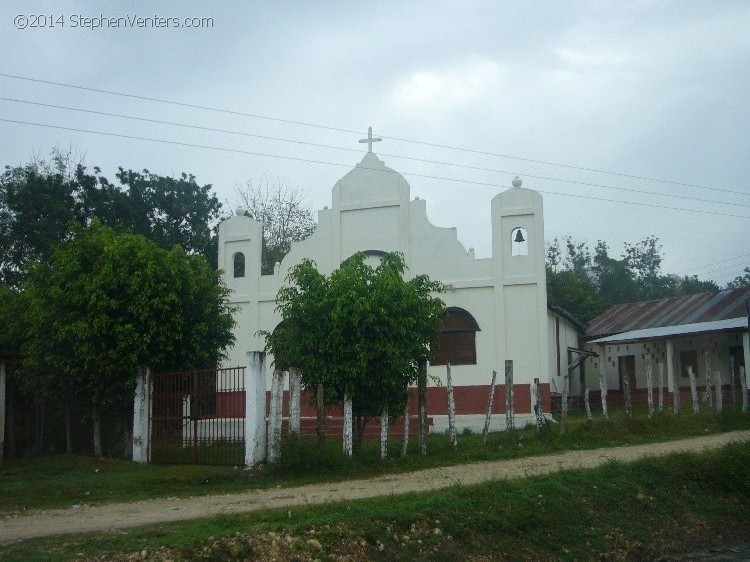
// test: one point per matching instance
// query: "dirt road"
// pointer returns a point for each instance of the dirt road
(118, 516)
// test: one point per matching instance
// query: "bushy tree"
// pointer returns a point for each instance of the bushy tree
(586, 283)
(360, 331)
(109, 303)
(170, 211)
(40, 201)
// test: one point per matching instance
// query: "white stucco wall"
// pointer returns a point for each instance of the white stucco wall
(717, 345)
(562, 334)
(372, 210)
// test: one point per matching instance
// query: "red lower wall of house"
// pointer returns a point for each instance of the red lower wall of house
(639, 397)
(468, 399)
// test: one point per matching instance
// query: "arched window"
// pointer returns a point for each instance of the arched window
(456, 342)
(239, 264)
(519, 242)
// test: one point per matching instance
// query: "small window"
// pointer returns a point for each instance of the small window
(689, 359)
(519, 242)
(239, 264)
(457, 339)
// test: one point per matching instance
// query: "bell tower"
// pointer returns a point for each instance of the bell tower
(520, 281)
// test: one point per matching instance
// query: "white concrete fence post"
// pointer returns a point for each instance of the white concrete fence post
(141, 410)
(587, 404)
(275, 415)
(743, 385)
(255, 408)
(295, 397)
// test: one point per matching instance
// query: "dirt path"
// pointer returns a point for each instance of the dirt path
(118, 516)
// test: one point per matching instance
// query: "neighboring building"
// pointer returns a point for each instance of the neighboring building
(497, 308)
(704, 331)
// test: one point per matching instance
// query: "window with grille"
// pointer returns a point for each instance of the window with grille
(457, 339)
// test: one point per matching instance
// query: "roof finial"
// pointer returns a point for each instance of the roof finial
(517, 182)
(369, 140)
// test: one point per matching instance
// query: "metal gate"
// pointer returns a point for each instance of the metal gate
(198, 417)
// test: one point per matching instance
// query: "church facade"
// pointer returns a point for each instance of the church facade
(497, 306)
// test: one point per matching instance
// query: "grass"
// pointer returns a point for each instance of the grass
(619, 511)
(66, 480)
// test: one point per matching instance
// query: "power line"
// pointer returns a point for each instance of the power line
(717, 270)
(342, 130)
(251, 153)
(713, 263)
(266, 155)
(568, 166)
(181, 104)
(319, 145)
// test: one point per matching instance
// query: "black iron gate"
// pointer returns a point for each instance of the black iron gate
(198, 417)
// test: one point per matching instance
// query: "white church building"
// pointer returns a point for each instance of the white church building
(497, 306)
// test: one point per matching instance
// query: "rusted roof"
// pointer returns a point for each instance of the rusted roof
(689, 309)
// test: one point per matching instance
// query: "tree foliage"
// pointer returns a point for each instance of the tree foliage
(110, 302)
(360, 331)
(283, 214)
(587, 283)
(40, 201)
(740, 280)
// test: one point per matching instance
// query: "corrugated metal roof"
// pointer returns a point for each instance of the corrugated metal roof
(679, 330)
(689, 309)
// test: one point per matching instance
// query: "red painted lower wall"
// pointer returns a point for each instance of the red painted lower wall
(639, 397)
(468, 399)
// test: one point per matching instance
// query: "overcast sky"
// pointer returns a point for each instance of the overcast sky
(650, 89)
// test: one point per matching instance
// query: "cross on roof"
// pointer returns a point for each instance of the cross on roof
(369, 140)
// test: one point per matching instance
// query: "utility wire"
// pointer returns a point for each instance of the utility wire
(337, 129)
(713, 263)
(265, 137)
(718, 270)
(266, 155)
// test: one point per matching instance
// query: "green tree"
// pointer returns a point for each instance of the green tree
(109, 303)
(42, 199)
(170, 211)
(38, 202)
(740, 281)
(693, 285)
(360, 331)
(575, 294)
(613, 279)
(13, 306)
